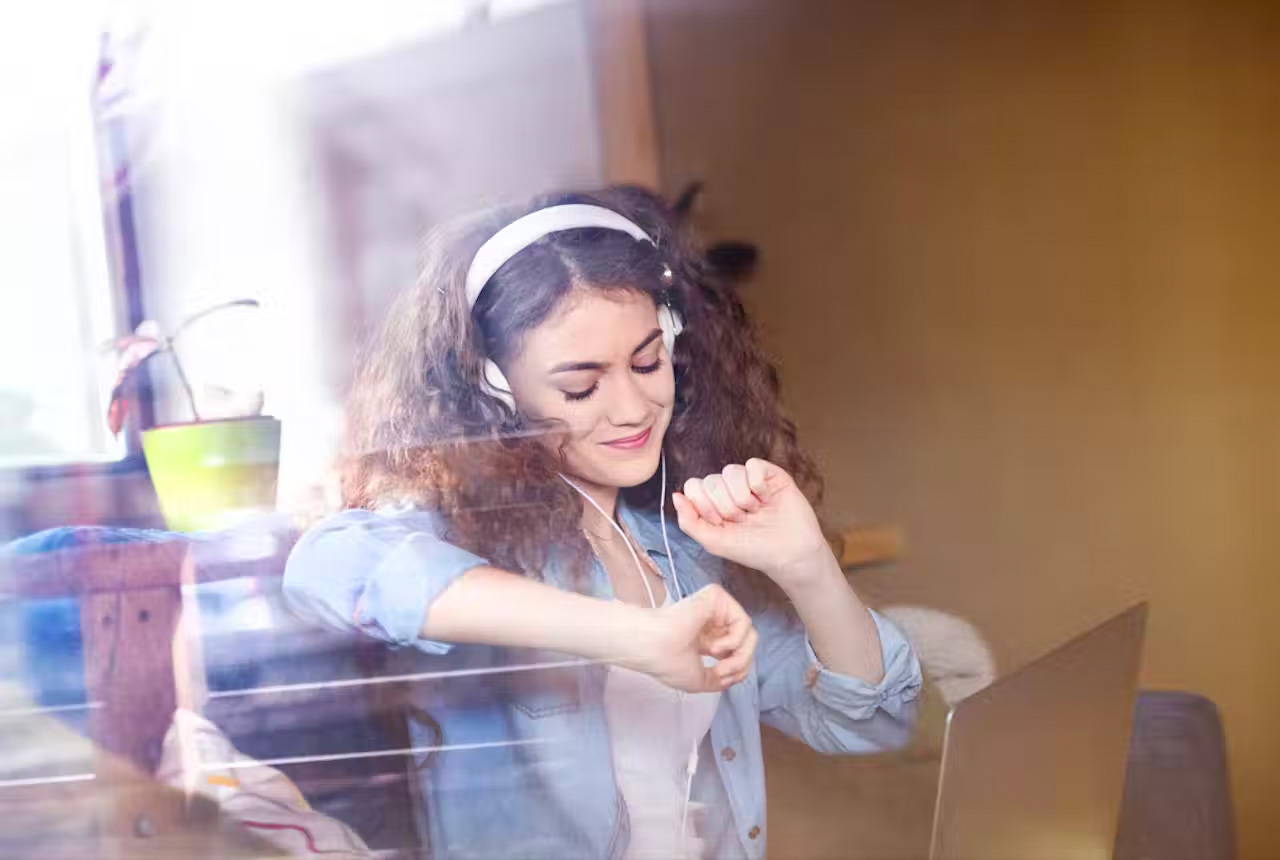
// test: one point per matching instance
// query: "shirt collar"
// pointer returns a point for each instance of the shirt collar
(646, 527)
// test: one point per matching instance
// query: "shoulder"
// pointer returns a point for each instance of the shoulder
(390, 519)
(355, 536)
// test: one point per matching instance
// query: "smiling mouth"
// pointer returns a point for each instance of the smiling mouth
(635, 441)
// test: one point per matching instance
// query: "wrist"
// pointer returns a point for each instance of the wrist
(630, 634)
(813, 568)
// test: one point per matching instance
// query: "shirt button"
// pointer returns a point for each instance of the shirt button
(728, 754)
(753, 832)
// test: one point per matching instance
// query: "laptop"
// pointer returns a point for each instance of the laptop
(1033, 765)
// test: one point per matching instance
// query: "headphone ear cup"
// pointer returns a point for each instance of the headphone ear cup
(671, 324)
(497, 385)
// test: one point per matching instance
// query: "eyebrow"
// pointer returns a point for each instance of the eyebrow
(599, 365)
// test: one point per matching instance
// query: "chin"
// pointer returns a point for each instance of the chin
(623, 475)
(639, 476)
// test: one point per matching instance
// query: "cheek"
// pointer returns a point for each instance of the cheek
(578, 420)
(543, 403)
(661, 386)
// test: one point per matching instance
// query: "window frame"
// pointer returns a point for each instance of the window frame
(124, 283)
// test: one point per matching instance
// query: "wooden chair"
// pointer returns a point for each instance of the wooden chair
(143, 656)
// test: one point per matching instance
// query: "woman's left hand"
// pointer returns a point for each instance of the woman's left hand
(755, 515)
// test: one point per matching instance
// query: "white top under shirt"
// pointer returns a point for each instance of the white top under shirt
(653, 730)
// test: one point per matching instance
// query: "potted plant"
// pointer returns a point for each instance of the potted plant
(211, 471)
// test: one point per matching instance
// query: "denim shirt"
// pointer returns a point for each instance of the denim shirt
(521, 763)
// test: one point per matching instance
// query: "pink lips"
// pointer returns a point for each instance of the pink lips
(631, 442)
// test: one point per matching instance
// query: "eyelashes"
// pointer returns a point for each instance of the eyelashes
(575, 396)
(648, 368)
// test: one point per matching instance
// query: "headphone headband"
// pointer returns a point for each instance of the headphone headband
(524, 231)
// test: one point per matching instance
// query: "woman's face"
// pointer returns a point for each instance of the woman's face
(598, 364)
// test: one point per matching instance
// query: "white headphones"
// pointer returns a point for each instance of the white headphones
(523, 232)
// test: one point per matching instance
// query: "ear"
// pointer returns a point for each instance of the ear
(495, 384)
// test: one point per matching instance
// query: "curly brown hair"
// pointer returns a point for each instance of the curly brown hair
(422, 429)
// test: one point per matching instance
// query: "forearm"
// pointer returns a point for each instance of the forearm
(495, 607)
(837, 622)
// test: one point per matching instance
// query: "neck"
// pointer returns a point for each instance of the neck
(595, 523)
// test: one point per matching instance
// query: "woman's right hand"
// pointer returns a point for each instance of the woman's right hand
(674, 639)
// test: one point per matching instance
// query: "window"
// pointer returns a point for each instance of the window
(58, 302)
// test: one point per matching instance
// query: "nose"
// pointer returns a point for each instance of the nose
(629, 407)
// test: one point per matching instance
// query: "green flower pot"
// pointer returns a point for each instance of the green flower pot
(211, 474)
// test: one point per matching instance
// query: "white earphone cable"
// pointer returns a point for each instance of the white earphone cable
(662, 517)
(692, 763)
(639, 567)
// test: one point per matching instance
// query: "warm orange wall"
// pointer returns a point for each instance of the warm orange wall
(1020, 269)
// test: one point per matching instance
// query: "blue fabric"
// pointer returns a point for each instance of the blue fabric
(53, 666)
(52, 654)
(524, 766)
(71, 537)
(67, 537)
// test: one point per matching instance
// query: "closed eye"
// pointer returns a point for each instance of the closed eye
(574, 396)
(581, 395)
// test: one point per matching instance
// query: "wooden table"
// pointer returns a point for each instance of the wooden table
(142, 660)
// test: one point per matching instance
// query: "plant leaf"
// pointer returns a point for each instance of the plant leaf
(118, 408)
(149, 328)
(120, 344)
(136, 351)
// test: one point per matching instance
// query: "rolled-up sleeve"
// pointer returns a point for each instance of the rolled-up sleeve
(375, 573)
(829, 711)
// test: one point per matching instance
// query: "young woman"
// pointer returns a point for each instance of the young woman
(565, 380)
